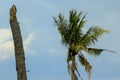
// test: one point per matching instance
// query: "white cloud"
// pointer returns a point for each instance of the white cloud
(7, 46)
(27, 44)
(29, 39)
(5, 34)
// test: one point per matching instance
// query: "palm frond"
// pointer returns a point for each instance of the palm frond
(74, 76)
(68, 60)
(82, 21)
(76, 22)
(92, 35)
(85, 63)
(74, 17)
(110, 51)
(74, 68)
(62, 24)
(97, 52)
(94, 51)
(80, 47)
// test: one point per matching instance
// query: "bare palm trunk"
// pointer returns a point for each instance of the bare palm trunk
(18, 45)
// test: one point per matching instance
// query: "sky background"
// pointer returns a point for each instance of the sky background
(45, 55)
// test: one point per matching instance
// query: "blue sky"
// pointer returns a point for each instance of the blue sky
(45, 55)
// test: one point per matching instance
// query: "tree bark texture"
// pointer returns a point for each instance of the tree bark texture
(18, 45)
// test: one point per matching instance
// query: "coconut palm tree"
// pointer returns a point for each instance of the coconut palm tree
(77, 42)
(18, 45)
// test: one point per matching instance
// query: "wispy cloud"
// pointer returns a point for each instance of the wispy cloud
(5, 34)
(7, 46)
(29, 39)
(28, 43)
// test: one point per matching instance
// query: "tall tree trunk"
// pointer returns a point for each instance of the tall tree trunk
(18, 45)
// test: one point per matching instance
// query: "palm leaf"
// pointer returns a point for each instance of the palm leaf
(97, 52)
(82, 21)
(85, 63)
(92, 35)
(76, 22)
(94, 51)
(74, 76)
(62, 24)
(80, 47)
(110, 51)
(74, 68)
(68, 60)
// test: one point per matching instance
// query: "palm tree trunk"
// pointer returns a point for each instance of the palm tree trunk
(18, 45)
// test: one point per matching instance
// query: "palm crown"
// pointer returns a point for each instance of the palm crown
(76, 41)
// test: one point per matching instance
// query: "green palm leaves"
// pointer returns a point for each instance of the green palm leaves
(76, 41)
(92, 35)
